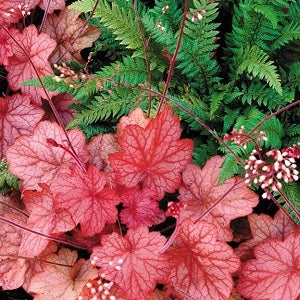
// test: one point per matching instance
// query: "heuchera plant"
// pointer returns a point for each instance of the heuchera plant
(127, 215)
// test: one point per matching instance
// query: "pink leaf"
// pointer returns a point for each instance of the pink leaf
(64, 28)
(202, 266)
(153, 156)
(63, 282)
(133, 262)
(140, 208)
(44, 218)
(11, 10)
(262, 227)
(12, 269)
(136, 117)
(35, 161)
(87, 199)
(52, 5)
(275, 273)
(17, 117)
(201, 191)
(20, 68)
(100, 147)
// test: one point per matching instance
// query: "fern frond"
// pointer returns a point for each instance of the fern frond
(230, 118)
(274, 132)
(121, 19)
(269, 12)
(256, 62)
(7, 180)
(249, 118)
(132, 71)
(288, 33)
(162, 25)
(292, 192)
(229, 168)
(110, 104)
(259, 93)
(84, 6)
(195, 58)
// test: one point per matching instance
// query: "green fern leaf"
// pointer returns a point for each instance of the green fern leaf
(292, 192)
(274, 132)
(256, 62)
(110, 104)
(229, 168)
(289, 32)
(121, 19)
(268, 12)
(84, 6)
(132, 71)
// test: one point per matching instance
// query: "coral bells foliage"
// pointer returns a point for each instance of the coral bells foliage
(107, 197)
(126, 216)
(152, 156)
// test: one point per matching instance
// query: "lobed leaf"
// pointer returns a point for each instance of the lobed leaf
(133, 261)
(64, 28)
(17, 117)
(263, 227)
(29, 62)
(152, 156)
(200, 191)
(86, 198)
(35, 161)
(202, 266)
(64, 279)
(275, 273)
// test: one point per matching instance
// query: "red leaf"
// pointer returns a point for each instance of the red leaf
(275, 273)
(12, 269)
(201, 191)
(17, 117)
(35, 161)
(62, 282)
(262, 227)
(133, 262)
(44, 218)
(19, 67)
(87, 199)
(153, 156)
(202, 266)
(140, 208)
(64, 28)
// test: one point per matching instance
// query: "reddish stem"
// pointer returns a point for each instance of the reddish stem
(14, 208)
(218, 202)
(173, 58)
(38, 259)
(287, 107)
(59, 240)
(78, 161)
(145, 46)
(45, 16)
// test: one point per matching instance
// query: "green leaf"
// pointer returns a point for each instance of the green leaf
(84, 6)
(256, 62)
